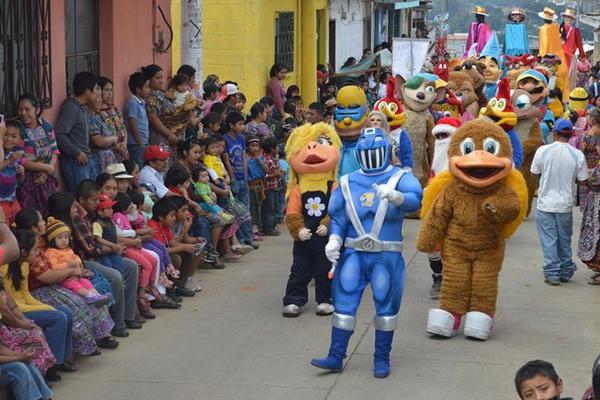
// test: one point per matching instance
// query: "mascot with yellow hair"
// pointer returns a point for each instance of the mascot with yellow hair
(313, 152)
(471, 210)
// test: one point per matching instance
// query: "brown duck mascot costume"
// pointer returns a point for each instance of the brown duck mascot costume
(471, 210)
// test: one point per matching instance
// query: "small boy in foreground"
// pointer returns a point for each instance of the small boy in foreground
(538, 380)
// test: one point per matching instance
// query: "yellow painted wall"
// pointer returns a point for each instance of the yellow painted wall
(176, 24)
(239, 42)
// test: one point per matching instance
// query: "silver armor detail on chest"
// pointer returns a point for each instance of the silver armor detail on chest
(370, 242)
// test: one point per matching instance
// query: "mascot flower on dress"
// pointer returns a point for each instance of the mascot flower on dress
(313, 154)
(351, 114)
(470, 211)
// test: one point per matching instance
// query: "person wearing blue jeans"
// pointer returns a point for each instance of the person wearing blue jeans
(558, 165)
(25, 380)
(555, 231)
(73, 172)
(57, 326)
(235, 160)
(241, 192)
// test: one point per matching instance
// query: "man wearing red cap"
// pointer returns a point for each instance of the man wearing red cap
(152, 175)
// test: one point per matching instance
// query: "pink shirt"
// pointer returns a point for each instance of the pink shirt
(276, 91)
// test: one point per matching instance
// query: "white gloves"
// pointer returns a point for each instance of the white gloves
(387, 192)
(304, 234)
(332, 249)
(322, 230)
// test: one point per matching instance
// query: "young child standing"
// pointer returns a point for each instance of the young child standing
(272, 187)
(257, 170)
(236, 164)
(558, 165)
(61, 256)
(136, 118)
(11, 170)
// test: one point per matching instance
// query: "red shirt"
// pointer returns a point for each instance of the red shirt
(161, 233)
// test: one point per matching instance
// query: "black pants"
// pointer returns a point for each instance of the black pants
(309, 262)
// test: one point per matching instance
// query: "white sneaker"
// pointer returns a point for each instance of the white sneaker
(441, 322)
(478, 325)
(192, 284)
(242, 248)
(325, 309)
(291, 311)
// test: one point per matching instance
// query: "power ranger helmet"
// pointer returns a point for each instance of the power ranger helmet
(373, 150)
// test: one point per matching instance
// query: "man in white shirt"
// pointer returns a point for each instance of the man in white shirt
(151, 175)
(559, 165)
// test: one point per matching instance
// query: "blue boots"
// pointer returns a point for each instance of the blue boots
(334, 362)
(381, 357)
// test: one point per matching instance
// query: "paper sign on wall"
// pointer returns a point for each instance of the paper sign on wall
(409, 56)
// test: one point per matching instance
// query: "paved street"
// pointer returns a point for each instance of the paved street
(230, 342)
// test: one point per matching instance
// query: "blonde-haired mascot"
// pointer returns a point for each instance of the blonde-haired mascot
(313, 152)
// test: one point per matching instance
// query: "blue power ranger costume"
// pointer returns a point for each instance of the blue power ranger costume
(367, 211)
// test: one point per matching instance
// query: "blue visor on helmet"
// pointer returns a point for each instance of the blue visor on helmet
(355, 113)
(373, 150)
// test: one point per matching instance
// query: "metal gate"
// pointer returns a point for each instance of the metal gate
(25, 64)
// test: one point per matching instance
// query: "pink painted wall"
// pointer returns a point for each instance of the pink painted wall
(59, 66)
(125, 45)
(126, 41)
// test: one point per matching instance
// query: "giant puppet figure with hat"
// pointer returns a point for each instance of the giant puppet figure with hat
(391, 107)
(313, 154)
(571, 37)
(550, 44)
(367, 213)
(528, 99)
(491, 57)
(479, 33)
(516, 39)
(501, 112)
(470, 211)
(351, 112)
(418, 94)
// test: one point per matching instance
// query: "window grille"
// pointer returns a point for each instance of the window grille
(590, 7)
(284, 40)
(25, 64)
(82, 31)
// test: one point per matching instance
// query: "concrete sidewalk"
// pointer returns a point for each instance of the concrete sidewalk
(230, 341)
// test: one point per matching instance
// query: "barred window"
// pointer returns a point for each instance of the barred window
(82, 32)
(284, 40)
(25, 64)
